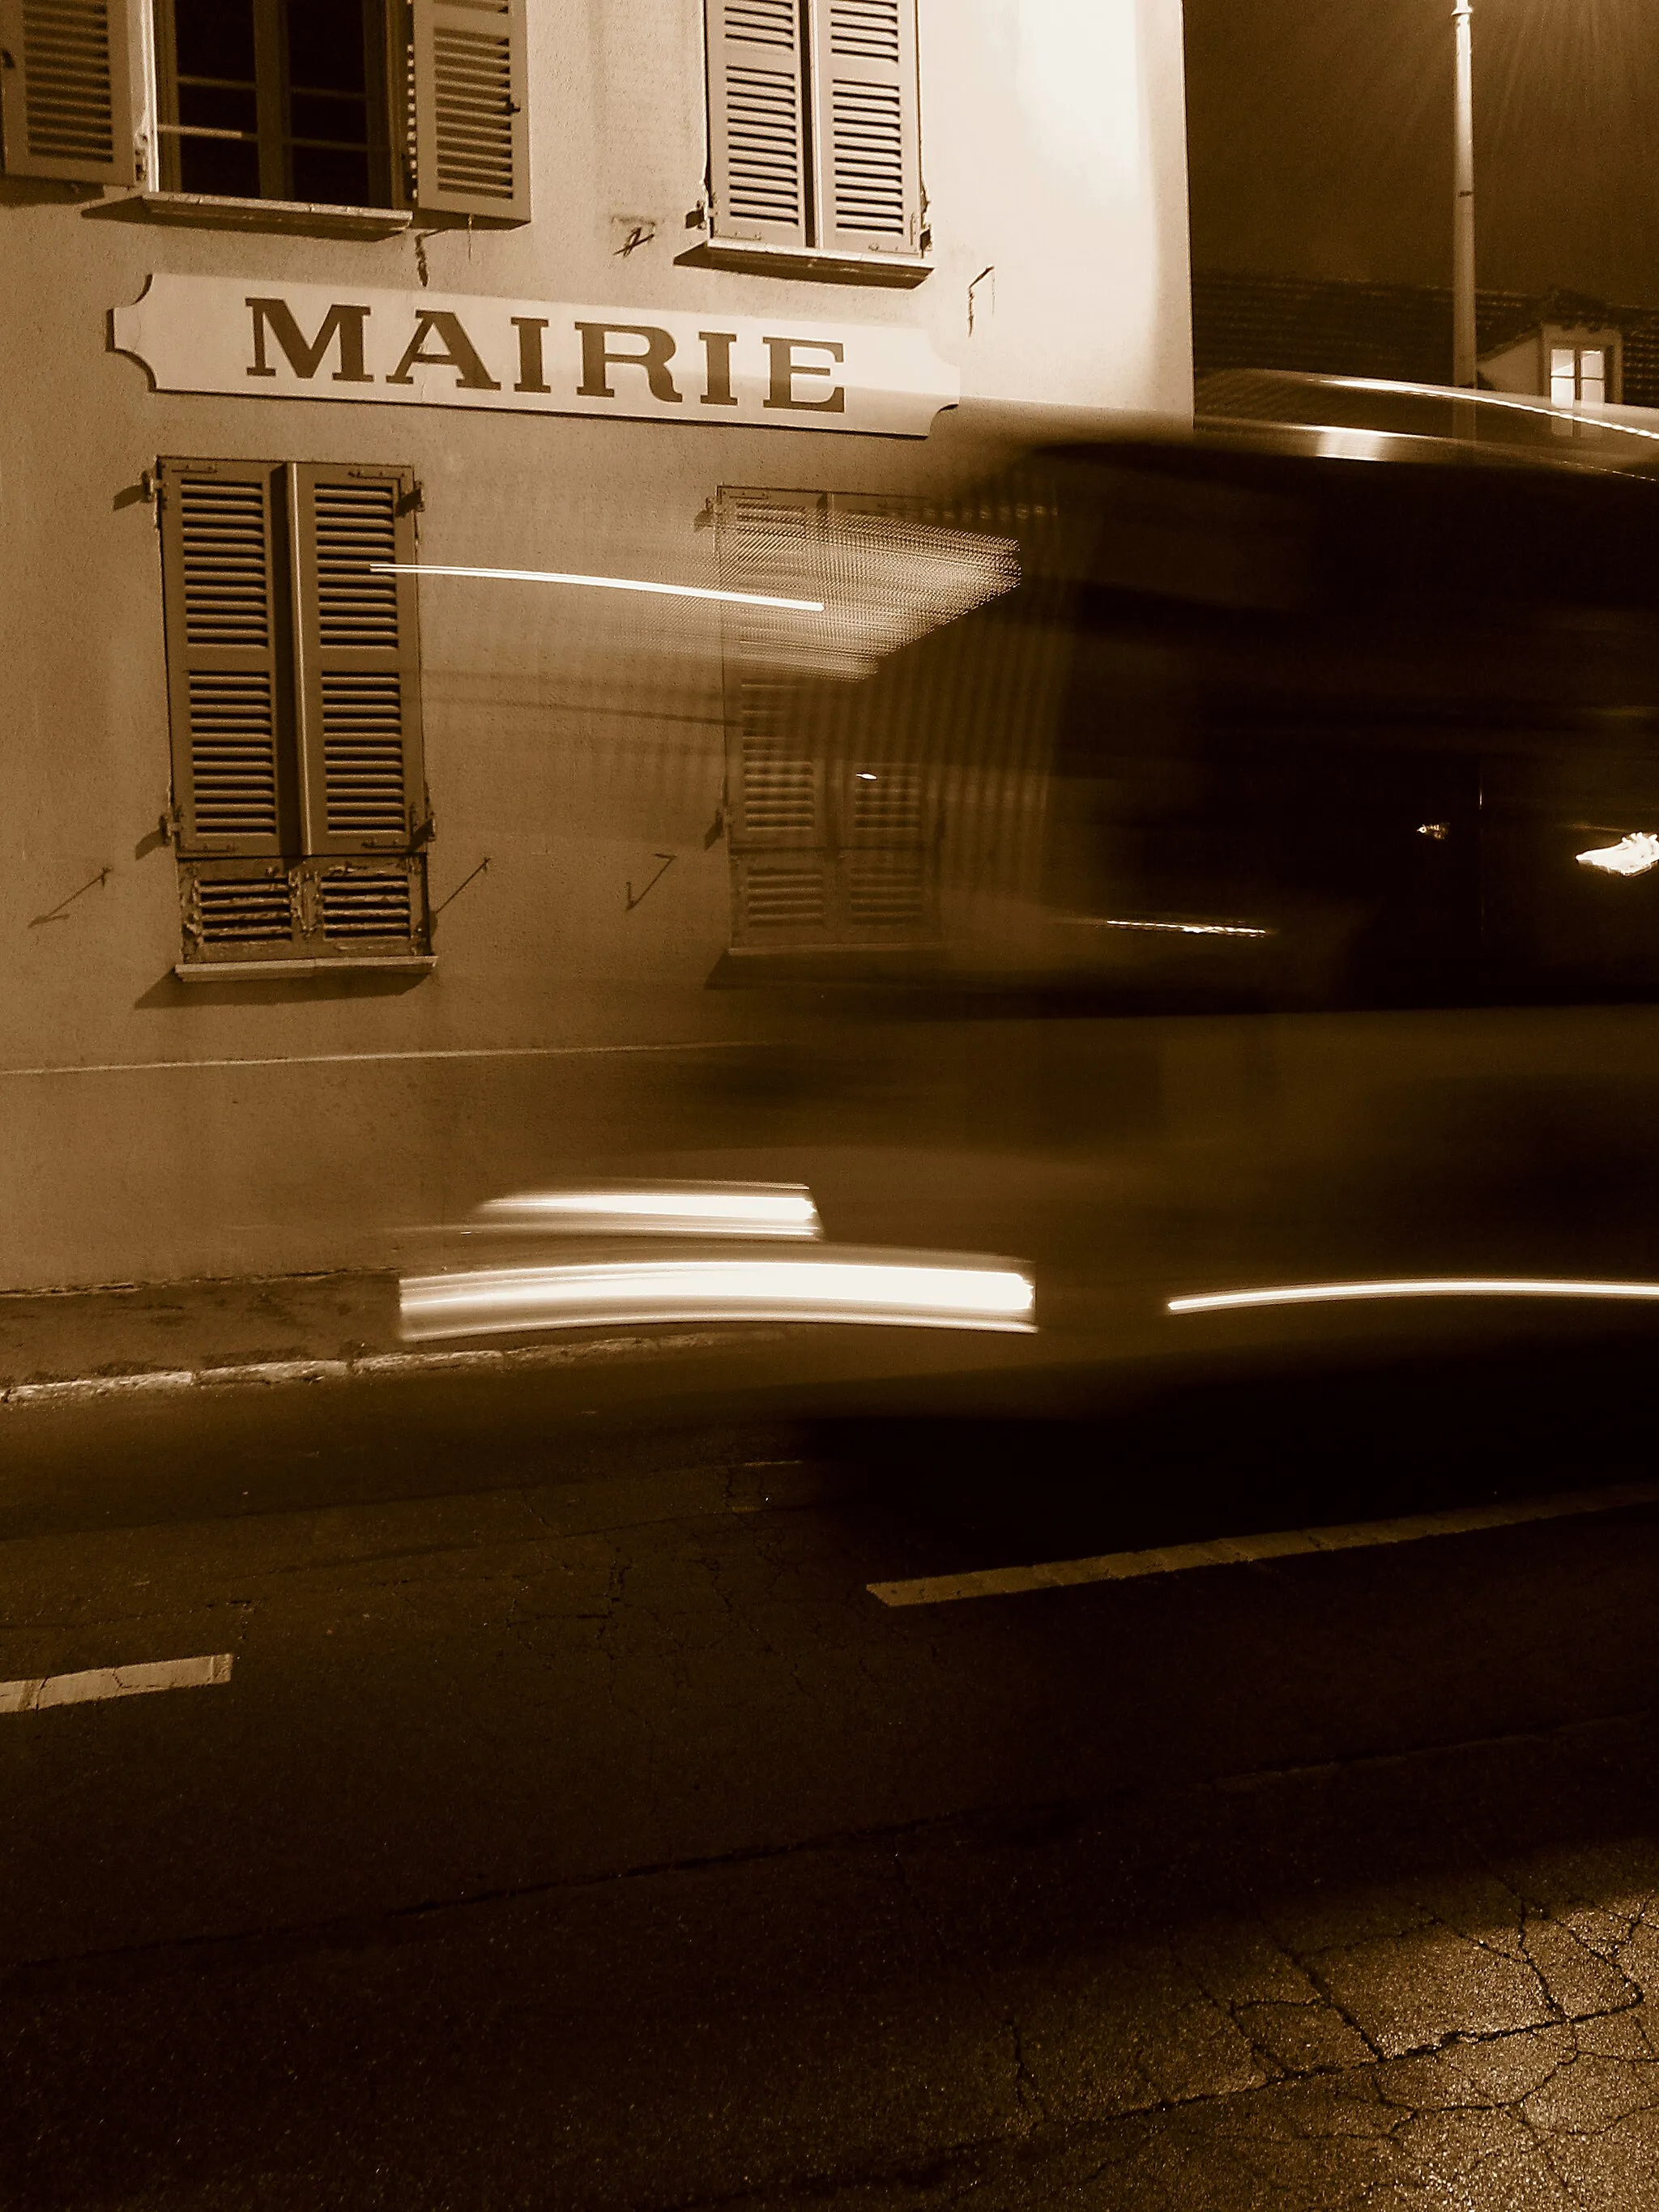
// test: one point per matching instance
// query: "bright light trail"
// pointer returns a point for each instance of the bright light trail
(710, 1209)
(902, 1290)
(1428, 1287)
(1172, 928)
(1633, 855)
(1493, 401)
(597, 583)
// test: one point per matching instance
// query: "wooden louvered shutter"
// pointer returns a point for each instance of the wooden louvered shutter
(66, 90)
(757, 121)
(356, 660)
(471, 136)
(225, 604)
(864, 125)
(779, 824)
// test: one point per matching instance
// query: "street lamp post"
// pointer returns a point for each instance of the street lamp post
(1464, 374)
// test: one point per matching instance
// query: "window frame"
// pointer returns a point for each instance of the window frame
(1580, 340)
(808, 860)
(829, 251)
(272, 94)
(311, 891)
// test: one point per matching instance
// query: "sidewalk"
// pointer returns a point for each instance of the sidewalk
(149, 1329)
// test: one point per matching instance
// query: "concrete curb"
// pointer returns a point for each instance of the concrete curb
(271, 1373)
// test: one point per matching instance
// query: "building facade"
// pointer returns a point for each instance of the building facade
(342, 890)
(1560, 345)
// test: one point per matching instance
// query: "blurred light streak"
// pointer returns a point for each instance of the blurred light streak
(598, 583)
(1633, 855)
(1428, 1287)
(1337, 444)
(1177, 928)
(913, 1290)
(708, 1209)
(1491, 401)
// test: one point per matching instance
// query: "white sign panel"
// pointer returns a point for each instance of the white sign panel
(273, 341)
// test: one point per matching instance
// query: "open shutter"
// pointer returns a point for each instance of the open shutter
(865, 103)
(223, 586)
(66, 90)
(471, 139)
(357, 660)
(757, 121)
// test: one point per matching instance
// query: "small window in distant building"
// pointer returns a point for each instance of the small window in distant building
(346, 103)
(1578, 374)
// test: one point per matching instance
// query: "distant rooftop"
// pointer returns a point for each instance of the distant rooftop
(1328, 326)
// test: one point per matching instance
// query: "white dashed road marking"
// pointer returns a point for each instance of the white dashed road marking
(1241, 1551)
(35, 1695)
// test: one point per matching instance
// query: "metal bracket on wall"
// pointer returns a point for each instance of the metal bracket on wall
(667, 859)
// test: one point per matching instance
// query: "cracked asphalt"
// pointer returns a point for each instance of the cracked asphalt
(575, 1829)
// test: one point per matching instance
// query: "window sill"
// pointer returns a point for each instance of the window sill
(312, 219)
(754, 258)
(271, 972)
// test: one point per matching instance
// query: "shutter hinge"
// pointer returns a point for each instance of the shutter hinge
(420, 831)
(170, 827)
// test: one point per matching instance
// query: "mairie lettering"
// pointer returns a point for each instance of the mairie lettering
(207, 335)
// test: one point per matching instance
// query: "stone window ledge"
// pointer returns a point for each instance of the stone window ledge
(272, 971)
(311, 218)
(754, 258)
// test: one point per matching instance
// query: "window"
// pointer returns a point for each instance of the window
(342, 103)
(276, 100)
(1579, 374)
(813, 127)
(293, 668)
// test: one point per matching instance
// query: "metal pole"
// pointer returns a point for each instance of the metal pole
(1464, 372)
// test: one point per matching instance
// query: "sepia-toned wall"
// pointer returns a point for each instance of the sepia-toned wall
(151, 1128)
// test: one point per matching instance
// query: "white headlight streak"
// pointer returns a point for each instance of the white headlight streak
(902, 1290)
(1633, 855)
(1428, 1287)
(597, 584)
(712, 1209)
(1169, 928)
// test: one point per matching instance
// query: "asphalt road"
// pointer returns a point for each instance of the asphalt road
(575, 1828)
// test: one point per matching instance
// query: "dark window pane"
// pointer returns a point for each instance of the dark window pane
(216, 38)
(218, 165)
(219, 107)
(340, 179)
(336, 122)
(328, 115)
(326, 45)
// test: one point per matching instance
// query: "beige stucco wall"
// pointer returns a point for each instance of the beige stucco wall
(148, 1129)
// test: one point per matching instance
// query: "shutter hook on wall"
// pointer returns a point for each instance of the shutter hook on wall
(667, 859)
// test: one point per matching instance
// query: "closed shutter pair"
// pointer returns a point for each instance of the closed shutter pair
(457, 67)
(813, 124)
(292, 667)
(834, 835)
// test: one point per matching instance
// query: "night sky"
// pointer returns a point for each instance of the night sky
(1321, 141)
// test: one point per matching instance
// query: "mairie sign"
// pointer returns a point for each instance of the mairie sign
(533, 357)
